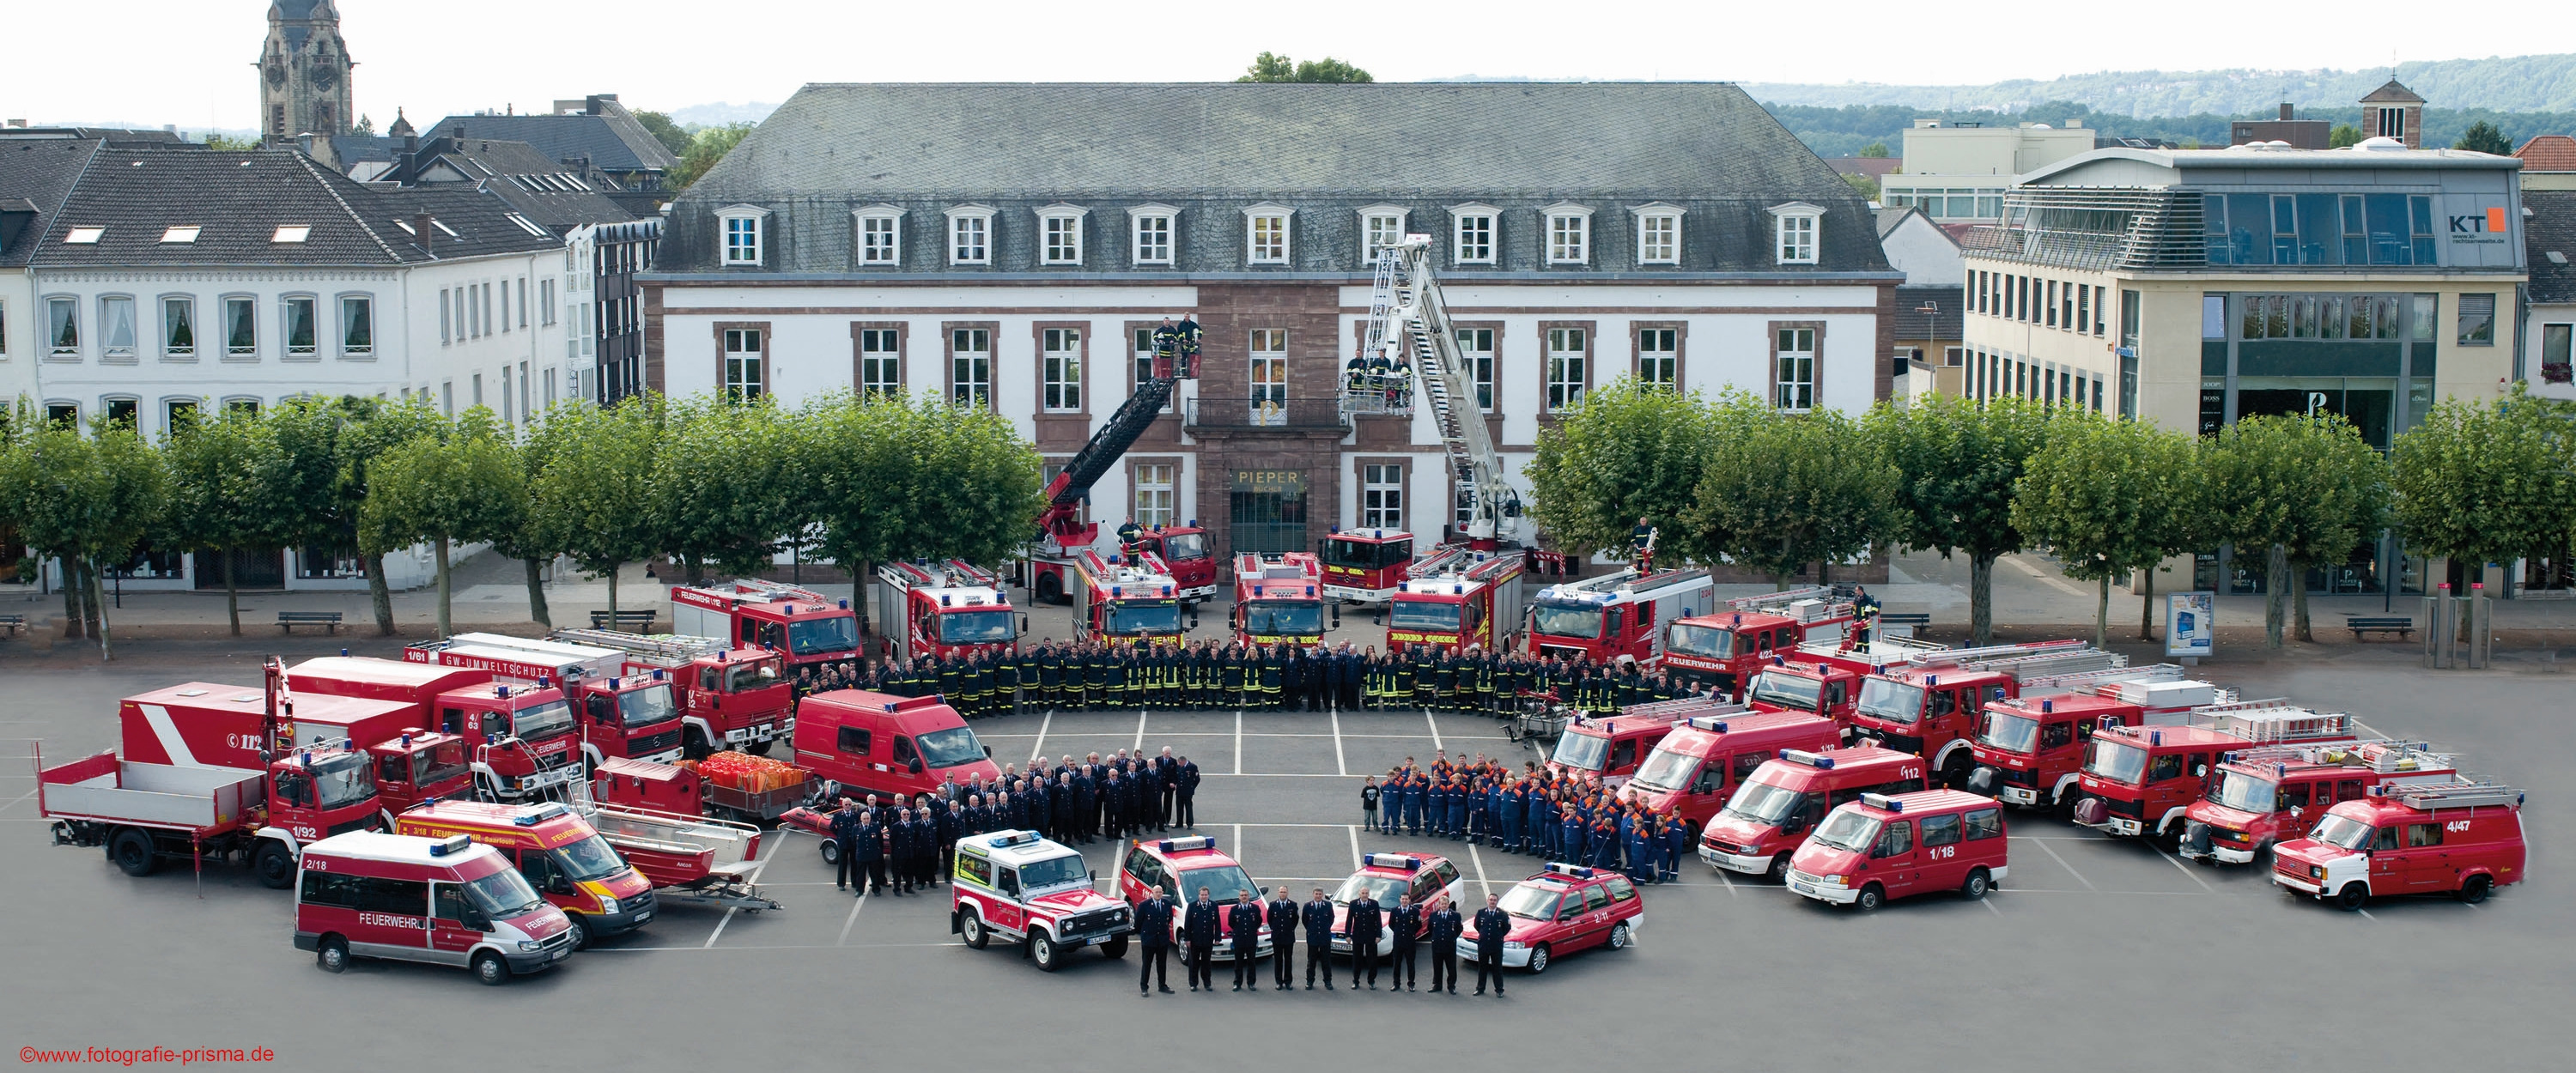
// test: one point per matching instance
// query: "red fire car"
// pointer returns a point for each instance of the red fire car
(2463, 839)
(1562, 910)
(1433, 882)
(1883, 847)
(1181, 866)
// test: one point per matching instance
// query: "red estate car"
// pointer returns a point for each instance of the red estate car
(1562, 910)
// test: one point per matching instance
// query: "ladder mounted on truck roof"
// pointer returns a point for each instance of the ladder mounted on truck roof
(2095, 681)
(1963, 657)
(1407, 314)
(671, 647)
(2466, 793)
(2272, 721)
(2381, 757)
(767, 591)
(1778, 603)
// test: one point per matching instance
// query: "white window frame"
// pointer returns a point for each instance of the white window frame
(1493, 225)
(746, 372)
(55, 304)
(966, 391)
(1794, 352)
(1380, 226)
(1277, 248)
(1569, 233)
(1667, 360)
(1153, 221)
(879, 230)
(109, 347)
(340, 326)
(1797, 231)
(1382, 495)
(982, 218)
(1158, 499)
(736, 220)
(881, 369)
(1648, 215)
(161, 327)
(1060, 235)
(1060, 370)
(1566, 392)
(1480, 362)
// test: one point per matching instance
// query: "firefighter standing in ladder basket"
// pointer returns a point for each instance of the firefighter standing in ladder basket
(1167, 343)
(1186, 336)
(1642, 541)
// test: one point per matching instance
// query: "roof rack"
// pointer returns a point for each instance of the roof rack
(669, 646)
(1954, 657)
(2096, 680)
(2466, 793)
(2272, 720)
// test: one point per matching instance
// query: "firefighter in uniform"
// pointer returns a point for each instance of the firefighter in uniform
(1132, 659)
(1283, 916)
(1866, 607)
(1426, 681)
(1006, 684)
(1095, 677)
(1273, 671)
(1186, 335)
(1364, 920)
(1167, 340)
(1243, 927)
(1492, 924)
(1405, 927)
(1317, 915)
(952, 679)
(1050, 677)
(1230, 675)
(1445, 925)
(1154, 931)
(979, 683)
(1641, 541)
(1199, 929)
(1399, 690)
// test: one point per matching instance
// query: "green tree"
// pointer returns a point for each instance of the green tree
(1956, 464)
(2483, 137)
(223, 143)
(1779, 491)
(707, 148)
(2109, 497)
(1272, 67)
(1866, 186)
(672, 135)
(366, 128)
(595, 494)
(219, 494)
(534, 542)
(730, 484)
(2302, 489)
(897, 478)
(1629, 451)
(1875, 151)
(327, 449)
(460, 486)
(85, 500)
(2487, 482)
(2344, 136)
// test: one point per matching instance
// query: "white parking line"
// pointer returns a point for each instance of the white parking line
(14, 801)
(2186, 870)
(2366, 913)
(856, 904)
(1341, 765)
(1038, 751)
(1238, 742)
(1434, 720)
(1140, 730)
(1479, 858)
(2070, 869)
(751, 875)
(1354, 829)
(1989, 903)
(1728, 881)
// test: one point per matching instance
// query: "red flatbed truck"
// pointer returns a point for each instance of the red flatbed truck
(521, 743)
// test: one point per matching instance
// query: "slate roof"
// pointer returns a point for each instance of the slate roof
(2548, 152)
(532, 183)
(612, 142)
(34, 177)
(1214, 149)
(1941, 326)
(2549, 226)
(239, 200)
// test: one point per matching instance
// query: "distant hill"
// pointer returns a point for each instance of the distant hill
(2508, 84)
(720, 113)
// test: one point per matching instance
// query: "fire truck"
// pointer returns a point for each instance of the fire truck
(262, 812)
(617, 714)
(2459, 838)
(1722, 650)
(2138, 781)
(1616, 618)
(1365, 566)
(1928, 705)
(730, 697)
(1457, 598)
(1278, 598)
(947, 609)
(204, 724)
(801, 625)
(2265, 795)
(521, 742)
(1609, 749)
(1054, 559)
(2029, 748)
(1125, 600)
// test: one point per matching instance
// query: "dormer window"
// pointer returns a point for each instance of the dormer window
(970, 235)
(1471, 234)
(744, 241)
(1795, 227)
(1659, 234)
(1381, 226)
(1266, 234)
(1060, 234)
(1569, 234)
(880, 235)
(1150, 229)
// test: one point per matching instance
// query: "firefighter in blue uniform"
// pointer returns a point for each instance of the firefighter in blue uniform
(1186, 335)
(1167, 342)
(1641, 541)
(1317, 915)
(1405, 927)
(1364, 921)
(1154, 932)
(1283, 916)
(1677, 845)
(1492, 925)
(1199, 929)
(1446, 925)
(1243, 927)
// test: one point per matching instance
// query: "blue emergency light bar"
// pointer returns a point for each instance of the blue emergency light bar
(1569, 870)
(791, 609)
(502, 692)
(1710, 723)
(452, 844)
(1011, 838)
(1779, 661)
(1931, 679)
(615, 684)
(943, 599)
(2155, 737)
(1399, 861)
(1882, 802)
(1177, 845)
(539, 814)
(2047, 706)
(1801, 756)
(657, 674)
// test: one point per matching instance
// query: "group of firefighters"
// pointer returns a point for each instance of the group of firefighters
(1176, 348)
(1377, 375)
(901, 847)
(1559, 817)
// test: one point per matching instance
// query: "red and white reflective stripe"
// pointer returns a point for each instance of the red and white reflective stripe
(173, 743)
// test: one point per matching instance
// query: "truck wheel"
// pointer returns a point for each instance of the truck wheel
(1538, 959)
(1955, 770)
(972, 927)
(1979, 882)
(333, 954)
(580, 931)
(1043, 950)
(1779, 870)
(490, 969)
(1049, 589)
(2476, 889)
(831, 853)
(1871, 897)
(758, 748)
(2351, 897)
(274, 864)
(1114, 948)
(132, 851)
(693, 745)
(2066, 802)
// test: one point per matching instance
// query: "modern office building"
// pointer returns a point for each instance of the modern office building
(1956, 172)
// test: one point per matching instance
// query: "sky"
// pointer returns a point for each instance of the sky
(188, 62)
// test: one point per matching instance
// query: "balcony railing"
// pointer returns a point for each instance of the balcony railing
(1298, 413)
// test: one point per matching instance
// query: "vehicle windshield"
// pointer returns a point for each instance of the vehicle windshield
(949, 748)
(1894, 701)
(2115, 761)
(543, 721)
(1275, 618)
(1178, 546)
(647, 706)
(1534, 903)
(1849, 829)
(1762, 803)
(745, 677)
(1054, 872)
(839, 633)
(340, 780)
(1382, 888)
(1585, 751)
(2341, 832)
(1127, 620)
(1366, 555)
(1223, 882)
(1558, 620)
(587, 859)
(502, 895)
(1715, 642)
(2244, 792)
(1664, 768)
(976, 627)
(1795, 692)
(438, 763)
(1423, 615)
(2006, 731)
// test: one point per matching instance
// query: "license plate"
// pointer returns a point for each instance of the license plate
(1802, 888)
(643, 918)
(559, 955)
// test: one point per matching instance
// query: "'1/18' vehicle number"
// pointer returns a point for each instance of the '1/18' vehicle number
(1944, 851)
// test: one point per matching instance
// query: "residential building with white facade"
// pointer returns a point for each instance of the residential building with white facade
(1956, 172)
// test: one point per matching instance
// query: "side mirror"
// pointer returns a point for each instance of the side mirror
(988, 752)
(916, 765)
(1024, 624)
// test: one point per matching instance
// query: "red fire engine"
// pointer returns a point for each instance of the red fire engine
(520, 741)
(1278, 599)
(1365, 566)
(1123, 600)
(1928, 705)
(1616, 618)
(1722, 650)
(2139, 780)
(617, 714)
(1774, 806)
(948, 610)
(2029, 748)
(730, 698)
(799, 624)
(203, 724)
(1813, 686)
(1456, 598)
(2265, 795)
(1063, 535)
(1610, 749)
(2461, 838)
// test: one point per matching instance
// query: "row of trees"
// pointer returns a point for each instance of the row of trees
(1734, 480)
(711, 485)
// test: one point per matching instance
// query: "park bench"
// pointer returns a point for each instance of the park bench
(2361, 625)
(288, 620)
(629, 621)
(1916, 619)
(13, 623)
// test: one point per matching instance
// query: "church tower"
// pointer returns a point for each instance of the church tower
(304, 72)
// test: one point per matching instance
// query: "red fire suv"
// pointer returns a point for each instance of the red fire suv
(1181, 866)
(1562, 910)
(2463, 839)
(1025, 888)
(1883, 847)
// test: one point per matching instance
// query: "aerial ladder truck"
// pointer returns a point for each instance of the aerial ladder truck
(1407, 315)
(1063, 535)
